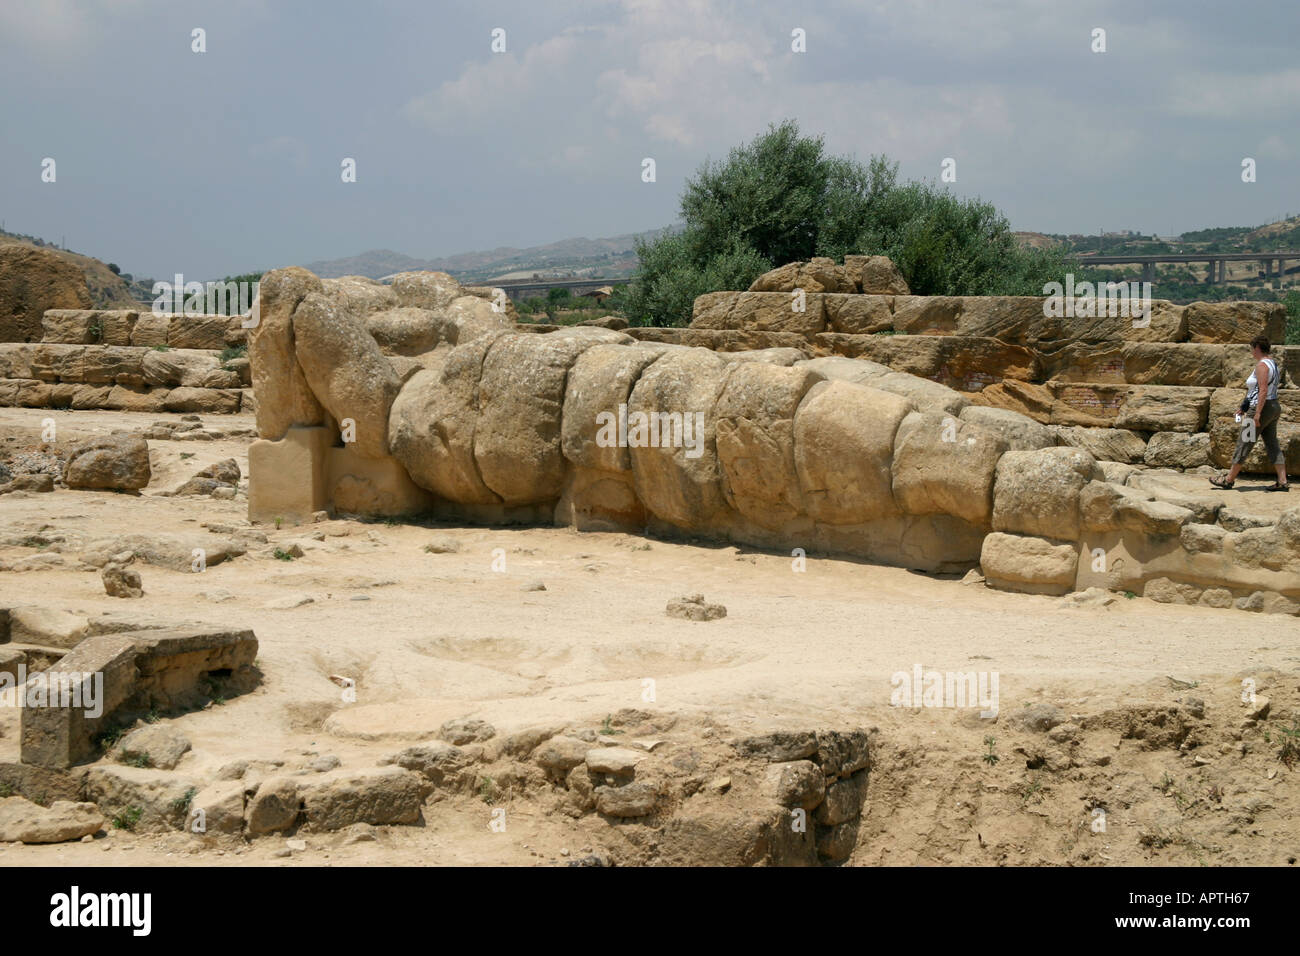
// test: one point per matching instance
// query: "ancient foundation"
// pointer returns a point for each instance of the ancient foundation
(426, 398)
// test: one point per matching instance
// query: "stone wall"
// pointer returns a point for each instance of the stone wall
(419, 397)
(1092, 375)
(128, 361)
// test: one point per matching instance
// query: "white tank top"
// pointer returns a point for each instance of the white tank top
(1252, 383)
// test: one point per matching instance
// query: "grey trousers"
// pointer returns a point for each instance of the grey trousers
(1268, 417)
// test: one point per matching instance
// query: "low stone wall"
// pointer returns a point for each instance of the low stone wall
(113, 673)
(127, 378)
(417, 397)
(125, 327)
(970, 363)
(1014, 320)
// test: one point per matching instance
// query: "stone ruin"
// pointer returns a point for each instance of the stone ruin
(834, 429)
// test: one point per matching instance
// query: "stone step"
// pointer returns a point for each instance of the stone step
(33, 393)
(968, 363)
(1019, 320)
(1181, 426)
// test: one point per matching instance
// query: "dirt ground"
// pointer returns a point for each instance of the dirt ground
(433, 636)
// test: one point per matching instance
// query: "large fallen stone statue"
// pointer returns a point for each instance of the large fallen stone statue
(425, 397)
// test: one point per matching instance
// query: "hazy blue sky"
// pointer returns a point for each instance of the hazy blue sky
(227, 161)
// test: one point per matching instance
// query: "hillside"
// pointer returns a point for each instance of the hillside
(107, 291)
(611, 257)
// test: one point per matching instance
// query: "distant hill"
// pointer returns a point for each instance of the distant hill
(1035, 240)
(107, 291)
(612, 257)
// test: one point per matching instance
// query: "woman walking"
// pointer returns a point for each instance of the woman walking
(1261, 417)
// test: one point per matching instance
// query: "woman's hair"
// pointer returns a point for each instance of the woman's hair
(1260, 342)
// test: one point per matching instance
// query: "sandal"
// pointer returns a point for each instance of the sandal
(1221, 482)
(1276, 487)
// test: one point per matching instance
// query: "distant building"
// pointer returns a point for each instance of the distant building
(599, 294)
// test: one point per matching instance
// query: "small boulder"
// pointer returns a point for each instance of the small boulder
(466, 730)
(121, 582)
(637, 799)
(161, 745)
(40, 483)
(691, 607)
(22, 821)
(442, 546)
(798, 783)
(115, 462)
(561, 754)
(618, 761)
(1038, 717)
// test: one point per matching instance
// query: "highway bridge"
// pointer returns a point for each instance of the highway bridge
(518, 289)
(1274, 264)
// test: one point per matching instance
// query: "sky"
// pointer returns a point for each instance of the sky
(226, 161)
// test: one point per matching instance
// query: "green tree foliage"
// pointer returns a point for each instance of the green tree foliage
(1292, 302)
(780, 198)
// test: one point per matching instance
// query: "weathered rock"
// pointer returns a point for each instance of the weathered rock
(844, 799)
(755, 440)
(46, 625)
(174, 551)
(284, 397)
(599, 382)
(1037, 718)
(1037, 492)
(943, 465)
(1178, 450)
(780, 745)
(31, 281)
(681, 484)
(837, 843)
(1104, 444)
(816, 275)
(843, 446)
(346, 371)
(693, 608)
(22, 821)
(117, 462)
(1235, 321)
(376, 795)
(433, 422)
(561, 754)
(636, 799)
(275, 806)
(859, 314)
(406, 331)
(1034, 565)
(142, 799)
(618, 761)
(1020, 431)
(466, 730)
(217, 808)
(39, 484)
(434, 291)
(521, 398)
(157, 745)
(797, 783)
(71, 326)
(761, 312)
(875, 275)
(842, 752)
(1151, 517)
(1167, 591)
(1158, 408)
(121, 582)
